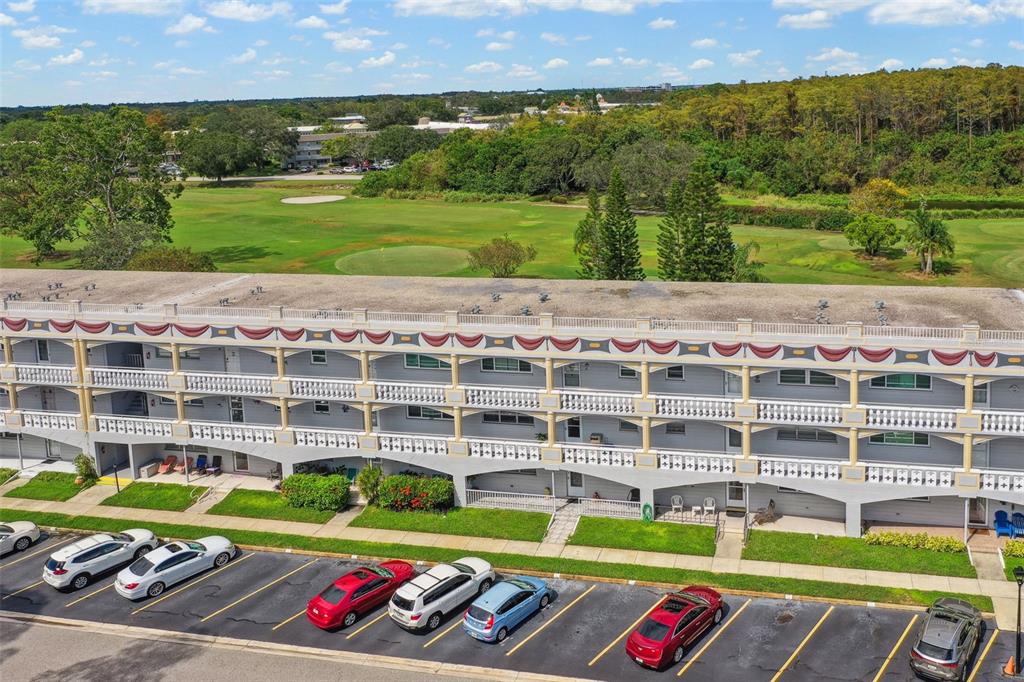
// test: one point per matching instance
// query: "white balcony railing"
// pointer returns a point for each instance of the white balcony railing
(697, 462)
(602, 455)
(906, 474)
(45, 374)
(65, 421)
(786, 467)
(1002, 422)
(413, 394)
(232, 384)
(618, 509)
(912, 418)
(789, 412)
(501, 499)
(413, 444)
(594, 402)
(324, 389)
(327, 438)
(241, 433)
(119, 377)
(692, 407)
(135, 426)
(503, 398)
(1003, 481)
(503, 449)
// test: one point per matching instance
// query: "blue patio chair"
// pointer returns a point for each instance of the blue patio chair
(201, 464)
(1018, 524)
(1003, 525)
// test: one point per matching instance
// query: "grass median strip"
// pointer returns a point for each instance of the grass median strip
(512, 562)
(160, 496)
(54, 486)
(503, 524)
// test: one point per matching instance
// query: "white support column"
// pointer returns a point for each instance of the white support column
(132, 469)
(460, 489)
(287, 469)
(647, 498)
(853, 520)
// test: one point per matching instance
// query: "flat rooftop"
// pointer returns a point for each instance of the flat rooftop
(904, 306)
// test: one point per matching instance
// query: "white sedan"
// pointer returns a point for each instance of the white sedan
(172, 563)
(16, 536)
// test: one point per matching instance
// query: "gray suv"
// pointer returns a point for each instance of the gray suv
(949, 635)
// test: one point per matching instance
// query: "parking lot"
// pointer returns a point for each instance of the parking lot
(262, 596)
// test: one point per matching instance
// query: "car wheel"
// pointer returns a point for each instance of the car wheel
(433, 622)
(502, 634)
(544, 601)
(350, 618)
(222, 559)
(155, 590)
(677, 655)
(141, 552)
(22, 544)
(485, 585)
(718, 616)
(80, 581)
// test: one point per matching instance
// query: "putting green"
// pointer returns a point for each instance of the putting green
(404, 260)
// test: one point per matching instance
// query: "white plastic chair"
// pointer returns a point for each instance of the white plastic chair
(709, 506)
(677, 503)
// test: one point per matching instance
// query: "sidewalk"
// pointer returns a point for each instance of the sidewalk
(1002, 592)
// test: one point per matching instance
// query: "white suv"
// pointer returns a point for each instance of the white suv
(76, 564)
(421, 603)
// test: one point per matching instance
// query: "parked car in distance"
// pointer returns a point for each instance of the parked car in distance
(421, 603)
(350, 169)
(947, 640)
(357, 592)
(74, 566)
(508, 603)
(673, 625)
(16, 536)
(176, 561)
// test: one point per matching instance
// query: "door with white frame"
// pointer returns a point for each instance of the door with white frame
(735, 495)
(575, 485)
(733, 384)
(241, 461)
(573, 429)
(977, 512)
(733, 441)
(237, 409)
(232, 361)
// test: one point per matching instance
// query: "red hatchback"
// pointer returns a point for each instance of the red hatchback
(357, 592)
(673, 625)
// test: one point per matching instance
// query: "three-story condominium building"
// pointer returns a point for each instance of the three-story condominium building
(633, 394)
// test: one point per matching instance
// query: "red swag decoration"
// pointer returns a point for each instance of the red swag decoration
(62, 327)
(875, 355)
(984, 359)
(528, 343)
(93, 327)
(15, 325)
(436, 340)
(726, 349)
(564, 344)
(765, 351)
(153, 329)
(291, 334)
(469, 341)
(345, 337)
(626, 346)
(662, 347)
(256, 334)
(377, 337)
(950, 358)
(834, 354)
(192, 332)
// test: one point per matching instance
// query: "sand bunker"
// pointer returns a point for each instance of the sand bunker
(321, 199)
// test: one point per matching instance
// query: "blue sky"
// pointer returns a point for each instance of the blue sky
(100, 51)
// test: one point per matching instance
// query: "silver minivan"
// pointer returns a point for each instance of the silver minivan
(75, 565)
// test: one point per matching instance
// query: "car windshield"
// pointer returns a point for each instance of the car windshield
(121, 537)
(6, 530)
(464, 568)
(521, 584)
(196, 546)
(141, 566)
(937, 652)
(382, 572)
(477, 613)
(652, 629)
(333, 594)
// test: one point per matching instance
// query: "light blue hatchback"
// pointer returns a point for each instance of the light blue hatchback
(507, 604)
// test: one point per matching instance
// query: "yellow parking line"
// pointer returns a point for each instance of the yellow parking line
(88, 595)
(375, 620)
(287, 620)
(711, 641)
(457, 623)
(36, 584)
(44, 549)
(981, 659)
(899, 642)
(552, 620)
(625, 632)
(258, 590)
(799, 648)
(191, 584)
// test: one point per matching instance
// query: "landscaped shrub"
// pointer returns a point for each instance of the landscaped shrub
(6, 473)
(315, 491)
(954, 213)
(829, 219)
(84, 467)
(935, 543)
(559, 199)
(1014, 548)
(368, 481)
(408, 491)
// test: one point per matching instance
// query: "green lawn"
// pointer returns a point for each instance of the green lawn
(800, 548)
(248, 229)
(512, 562)
(482, 523)
(264, 504)
(163, 496)
(676, 538)
(49, 485)
(1011, 563)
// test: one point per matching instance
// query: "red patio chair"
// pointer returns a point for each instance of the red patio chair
(180, 466)
(167, 464)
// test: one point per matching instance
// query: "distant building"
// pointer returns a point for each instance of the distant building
(445, 127)
(308, 151)
(348, 118)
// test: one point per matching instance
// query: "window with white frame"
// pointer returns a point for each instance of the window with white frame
(194, 402)
(423, 412)
(678, 428)
(573, 427)
(803, 433)
(804, 377)
(627, 372)
(503, 417)
(981, 394)
(321, 407)
(791, 491)
(416, 361)
(675, 373)
(900, 438)
(42, 350)
(912, 382)
(183, 354)
(505, 365)
(571, 376)
(318, 357)
(627, 426)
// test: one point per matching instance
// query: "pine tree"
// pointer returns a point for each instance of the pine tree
(708, 250)
(587, 238)
(670, 235)
(619, 243)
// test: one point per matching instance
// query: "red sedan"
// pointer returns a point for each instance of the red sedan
(357, 592)
(673, 625)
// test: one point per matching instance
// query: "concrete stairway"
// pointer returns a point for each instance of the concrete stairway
(563, 524)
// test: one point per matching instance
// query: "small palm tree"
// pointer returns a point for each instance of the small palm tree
(928, 236)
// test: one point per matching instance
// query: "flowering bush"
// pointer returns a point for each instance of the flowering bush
(418, 493)
(935, 543)
(1014, 548)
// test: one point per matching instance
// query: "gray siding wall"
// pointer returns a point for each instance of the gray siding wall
(1002, 453)
(34, 448)
(392, 367)
(601, 376)
(606, 426)
(395, 420)
(942, 393)
(255, 362)
(768, 386)
(473, 425)
(57, 399)
(697, 380)
(796, 504)
(113, 354)
(211, 359)
(767, 443)
(699, 436)
(939, 451)
(26, 352)
(303, 414)
(471, 373)
(1000, 397)
(948, 511)
(339, 366)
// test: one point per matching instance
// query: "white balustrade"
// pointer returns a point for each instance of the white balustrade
(244, 433)
(413, 444)
(413, 394)
(119, 377)
(912, 418)
(503, 449)
(45, 374)
(65, 421)
(592, 402)
(135, 426)
(1003, 481)
(787, 412)
(324, 389)
(233, 384)
(694, 407)
(618, 509)
(327, 438)
(1002, 422)
(500, 499)
(504, 398)
(698, 462)
(785, 467)
(904, 474)
(603, 455)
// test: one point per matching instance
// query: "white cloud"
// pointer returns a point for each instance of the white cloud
(105, 60)
(439, 42)
(833, 53)
(99, 75)
(26, 65)
(838, 60)
(600, 61)
(399, 46)
(461, 9)
(963, 61)
(936, 12)
(484, 32)
(149, 8)
(523, 72)
(261, 43)
(26, 6)
(661, 23)
(743, 58)
(890, 64)
(185, 71)
(417, 64)
(163, 66)
(72, 57)
(273, 74)
(188, 24)
(128, 40)
(701, 64)
(373, 62)
(498, 47)
(483, 67)
(7, 20)
(39, 37)
(635, 63)
(240, 10)
(977, 42)
(934, 63)
(87, 43)
(1016, 44)
(243, 58)
(346, 42)
(556, 63)
(338, 67)
(277, 60)
(335, 8)
(312, 21)
(582, 39)
(704, 43)
(553, 38)
(814, 19)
